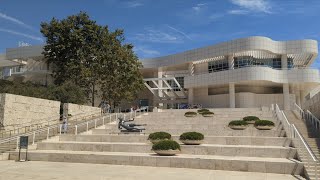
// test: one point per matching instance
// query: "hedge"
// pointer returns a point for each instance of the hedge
(191, 136)
(166, 145)
(159, 135)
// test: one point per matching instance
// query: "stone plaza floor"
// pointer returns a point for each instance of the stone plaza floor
(35, 170)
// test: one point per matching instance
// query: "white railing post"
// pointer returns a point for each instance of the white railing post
(95, 123)
(48, 133)
(87, 126)
(18, 139)
(34, 137)
(60, 128)
(76, 130)
(116, 115)
(103, 120)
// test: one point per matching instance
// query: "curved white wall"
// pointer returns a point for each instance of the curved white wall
(251, 74)
(238, 45)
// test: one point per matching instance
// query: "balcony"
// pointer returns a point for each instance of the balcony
(255, 73)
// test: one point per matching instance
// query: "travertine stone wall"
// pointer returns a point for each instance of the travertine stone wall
(313, 105)
(23, 110)
(78, 111)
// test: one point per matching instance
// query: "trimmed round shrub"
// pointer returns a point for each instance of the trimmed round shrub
(159, 136)
(263, 123)
(200, 111)
(166, 145)
(190, 113)
(191, 136)
(251, 118)
(207, 113)
(238, 123)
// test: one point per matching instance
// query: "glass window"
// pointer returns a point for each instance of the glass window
(174, 85)
(220, 65)
(290, 63)
(245, 61)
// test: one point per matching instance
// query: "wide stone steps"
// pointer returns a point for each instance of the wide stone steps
(204, 149)
(222, 140)
(189, 121)
(221, 131)
(230, 163)
(218, 117)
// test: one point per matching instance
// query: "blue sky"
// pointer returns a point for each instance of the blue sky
(158, 28)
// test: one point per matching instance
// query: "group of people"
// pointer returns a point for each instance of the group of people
(105, 107)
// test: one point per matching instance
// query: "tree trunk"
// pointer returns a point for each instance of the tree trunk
(92, 98)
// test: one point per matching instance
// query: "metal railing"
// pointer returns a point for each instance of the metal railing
(95, 120)
(305, 153)
(14, 130)
(46, 123)
(309, 119)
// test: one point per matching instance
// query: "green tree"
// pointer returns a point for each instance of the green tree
(81, 51)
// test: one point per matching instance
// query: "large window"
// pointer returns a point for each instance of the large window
(174, 85)
(244, 61)
(220, 65)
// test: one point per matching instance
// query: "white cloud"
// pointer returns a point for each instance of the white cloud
(21, 34)
(133, 4)
(146, 52)
(175, 29)
(238, 11)
(254, 5)
(16, 21)
(216, 16)
(162, 34)
(199, 7)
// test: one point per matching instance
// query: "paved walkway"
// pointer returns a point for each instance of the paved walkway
(34, 170)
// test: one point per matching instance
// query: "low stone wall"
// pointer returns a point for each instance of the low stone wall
(18, 110)
(313, 105)
(78, 111)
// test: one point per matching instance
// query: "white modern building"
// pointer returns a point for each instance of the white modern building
(248, 72)
(26, 65)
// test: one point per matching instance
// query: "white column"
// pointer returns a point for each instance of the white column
(160, 84)
(191, 69)
(231, 61)
(286, 96)
(297, 94)
(190, 90)
(190, 96)
(232, 95)
(303, 94)
(284, 61)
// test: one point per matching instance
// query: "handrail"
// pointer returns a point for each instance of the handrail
(299, 142)
(46, 124)
(305, 144)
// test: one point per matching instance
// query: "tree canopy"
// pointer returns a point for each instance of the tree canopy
(67, 92)
(90, 55)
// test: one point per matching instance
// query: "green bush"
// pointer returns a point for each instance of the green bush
(251, 118)
(238, 123)
(207, 113)
(159, 136)
(263, 123)
(67, 92)
(166, 145)
(191, 136)
(190, 113)
(200, 111)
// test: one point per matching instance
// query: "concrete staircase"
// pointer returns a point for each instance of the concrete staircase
(249, 150)
(312, 138)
